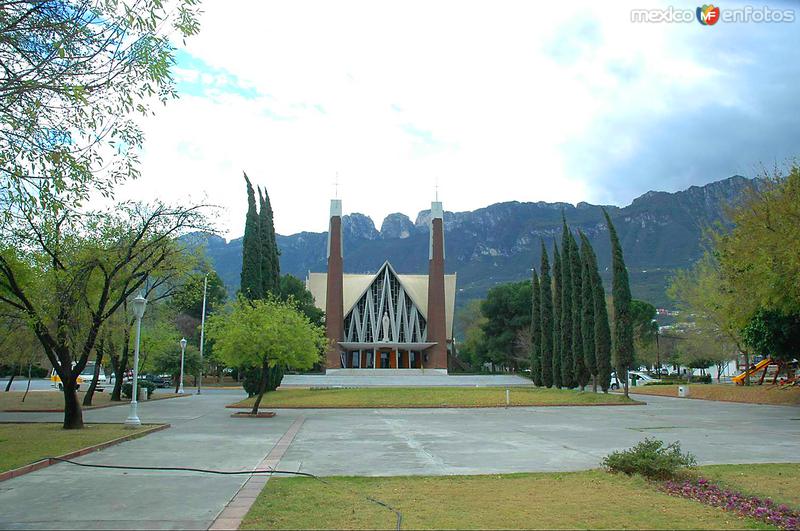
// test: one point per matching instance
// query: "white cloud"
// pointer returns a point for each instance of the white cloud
(491, 99)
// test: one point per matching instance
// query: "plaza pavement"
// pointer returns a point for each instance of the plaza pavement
(365, 442)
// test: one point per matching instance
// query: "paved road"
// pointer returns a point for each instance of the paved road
(368, 442)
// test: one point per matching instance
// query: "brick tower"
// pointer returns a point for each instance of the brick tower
(437, 329)
(334, 301)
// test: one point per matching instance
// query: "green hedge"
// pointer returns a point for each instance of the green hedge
(127, 388)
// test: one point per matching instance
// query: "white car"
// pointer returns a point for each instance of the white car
(641, 379)
(84, 380)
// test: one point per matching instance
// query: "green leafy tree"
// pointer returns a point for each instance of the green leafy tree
(168, 361)
(566, 364)
(76, 76)
(759, 258)
(473, 347)
(251, 284)
(263, 334)
(507, 308)
(536, 330)
(188, 298)
(66, 277)
(546, 319)
(558, 346)
(773, 333)
(587, 310)
(623, 324)
(293, 288)
(579, 369)
(270, 262)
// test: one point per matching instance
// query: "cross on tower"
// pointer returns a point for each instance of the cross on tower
(336, 186)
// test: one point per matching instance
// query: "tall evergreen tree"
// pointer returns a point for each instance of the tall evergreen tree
(536, 331)
(579, 371)
(269, 263)
(621, 293)
(587, 309)
(546, 304)
(557, 346)
(602, 331)
(251, 285)
(567, 374)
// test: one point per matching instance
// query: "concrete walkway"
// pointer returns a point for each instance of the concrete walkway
(365, 442)
(203, 435)
(496, 440)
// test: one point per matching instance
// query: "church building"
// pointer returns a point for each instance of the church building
(386, 320)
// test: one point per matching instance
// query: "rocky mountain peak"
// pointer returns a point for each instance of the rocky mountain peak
(359, 226)
(396, 225)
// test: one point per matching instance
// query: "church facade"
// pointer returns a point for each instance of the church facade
(386, 320)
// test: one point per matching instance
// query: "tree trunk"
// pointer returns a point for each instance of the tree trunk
(177, 383)
(594, 383)
(73, 416)
(262, 388)
(625, 385)
(28, 387)
(747, 368)
(119, 365)
(11, 379)
(87, 399)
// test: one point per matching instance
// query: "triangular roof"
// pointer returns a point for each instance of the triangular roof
(354, 286)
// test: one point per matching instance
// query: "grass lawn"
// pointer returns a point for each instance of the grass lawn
(21, 444)
(754, 394)
(779, 481)
(591, 499)
(371, 397)
(55, 400)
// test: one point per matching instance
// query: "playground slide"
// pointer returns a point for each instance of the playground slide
(761, 365)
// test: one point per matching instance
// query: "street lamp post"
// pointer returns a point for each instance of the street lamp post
(183, 355)
(133, 421)
(202, 331)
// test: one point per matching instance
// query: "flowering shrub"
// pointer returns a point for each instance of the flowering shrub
(651, 459)
(762, 509)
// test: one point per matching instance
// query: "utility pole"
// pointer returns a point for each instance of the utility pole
(202, 332)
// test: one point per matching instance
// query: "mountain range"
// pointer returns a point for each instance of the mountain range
(659, 231)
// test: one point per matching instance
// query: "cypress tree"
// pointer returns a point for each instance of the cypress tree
(251, 285)
(587, 309)
(622, 353)
(269, 263)
(602, 331)
(567, 375)
(556, 361)
(579, 370)
(546, 304)
(536, 331)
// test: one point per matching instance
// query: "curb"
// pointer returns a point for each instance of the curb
(87, 408)
(234, 512)
(502, 406)
(44, 463)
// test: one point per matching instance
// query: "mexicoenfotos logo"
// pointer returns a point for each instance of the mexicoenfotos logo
(707, 14)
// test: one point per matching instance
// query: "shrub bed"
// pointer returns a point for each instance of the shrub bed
(763, 509)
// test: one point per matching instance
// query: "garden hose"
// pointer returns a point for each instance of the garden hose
(269, 471)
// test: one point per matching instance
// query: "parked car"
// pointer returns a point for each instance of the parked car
(84, 379)
(640, 377)
(161, 381)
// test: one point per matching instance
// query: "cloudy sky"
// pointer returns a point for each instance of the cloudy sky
(495, 101)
